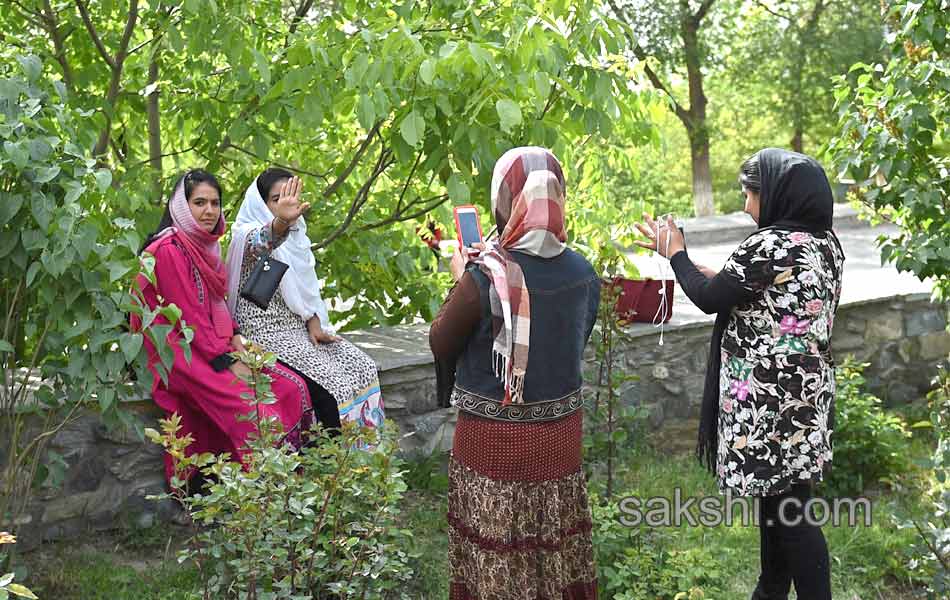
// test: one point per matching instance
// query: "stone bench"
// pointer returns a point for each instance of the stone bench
(885, 318)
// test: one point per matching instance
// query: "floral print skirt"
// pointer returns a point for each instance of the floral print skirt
(519, 518)
(775, 422)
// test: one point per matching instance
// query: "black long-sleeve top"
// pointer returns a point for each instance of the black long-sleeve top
(710, 295)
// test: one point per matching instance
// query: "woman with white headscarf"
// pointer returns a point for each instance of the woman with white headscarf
(343, 381)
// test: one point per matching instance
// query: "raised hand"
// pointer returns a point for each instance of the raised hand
(664, 238)
(289, 206)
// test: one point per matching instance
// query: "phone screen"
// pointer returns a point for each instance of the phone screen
(468, 223)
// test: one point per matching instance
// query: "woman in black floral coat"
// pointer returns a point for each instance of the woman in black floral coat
(768, 404)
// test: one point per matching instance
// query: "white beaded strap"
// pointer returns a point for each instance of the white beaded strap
(663, 310)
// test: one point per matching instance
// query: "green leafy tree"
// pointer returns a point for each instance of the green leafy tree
(64, 262)
(785, 55)
(675, 34)
(389, 111)
(895, 140)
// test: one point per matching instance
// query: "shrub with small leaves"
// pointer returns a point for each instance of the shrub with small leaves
(640, 562)
(318, 522)
(870, 444)
(7, 586)
(932, 550)
(895, 136)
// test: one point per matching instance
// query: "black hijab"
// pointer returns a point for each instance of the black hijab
(794, 194)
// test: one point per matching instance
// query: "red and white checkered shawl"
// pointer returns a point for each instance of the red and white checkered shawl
(528, 195)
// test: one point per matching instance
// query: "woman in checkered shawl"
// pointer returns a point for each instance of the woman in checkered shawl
(508, 344)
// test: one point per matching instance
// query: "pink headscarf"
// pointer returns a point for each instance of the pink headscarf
(204, 251)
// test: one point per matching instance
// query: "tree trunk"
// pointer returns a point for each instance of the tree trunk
(696, 120)
(702, 174)
(797, 142)
(806, 38)
(694, 117)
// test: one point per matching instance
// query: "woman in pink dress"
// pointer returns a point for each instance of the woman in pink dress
(205, 390)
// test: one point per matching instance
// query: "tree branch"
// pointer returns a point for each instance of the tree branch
(84, 13)
(401, 215)
(402, 195)
(51, 25)
(703, 10)
(153, 117)
(278, 165)
(169, 154)
(30, 15)
(774, 12)
(341, 178)
(555, 95)
(299, 14)
(127, 34)
(642, 57)
(115, 63)
(384, 161)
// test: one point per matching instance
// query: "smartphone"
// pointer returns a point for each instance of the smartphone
(467, 226)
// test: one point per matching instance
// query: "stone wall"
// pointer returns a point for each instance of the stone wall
(903, 338)
(111, 472)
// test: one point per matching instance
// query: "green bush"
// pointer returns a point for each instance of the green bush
(640, 562)
(931, 549)
(427, 473)
(870, 444)
(314, 523)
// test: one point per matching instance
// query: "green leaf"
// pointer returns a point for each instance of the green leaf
(22, 591)
(17, 153)
(103, 179)
(31, 65)
(33, 239)
(117, 270)
(31, 273)
(263, 68)
(40, 206)
(46, 174)
(509, 114)
(542, 84)
(130, 343)
(427, 71)
(355, 72)
(10, 205)
(458, 190)
(412, 128)
(445, 105)
(6, 346)
(74, 190)
(367, 112)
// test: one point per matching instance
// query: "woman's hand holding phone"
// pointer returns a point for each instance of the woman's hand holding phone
(462, 256)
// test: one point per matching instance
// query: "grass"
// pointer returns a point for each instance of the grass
(113, 565)
(868, 563)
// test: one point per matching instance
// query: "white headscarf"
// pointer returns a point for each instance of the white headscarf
(299, 287)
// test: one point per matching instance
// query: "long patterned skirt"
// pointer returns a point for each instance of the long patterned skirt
(519, 519)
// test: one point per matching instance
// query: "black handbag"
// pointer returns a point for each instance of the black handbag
(261, 284)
